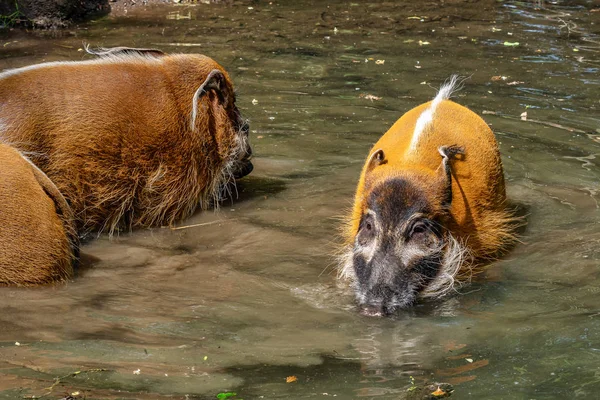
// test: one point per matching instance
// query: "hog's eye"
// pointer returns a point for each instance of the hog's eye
(418, 229)
(368, 223)
(367, 230)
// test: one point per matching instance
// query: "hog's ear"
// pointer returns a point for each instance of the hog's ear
(216, 81)
(120, 51)
(376, 159)
(448, 153)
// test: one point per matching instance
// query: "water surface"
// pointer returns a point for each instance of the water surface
(249, 297)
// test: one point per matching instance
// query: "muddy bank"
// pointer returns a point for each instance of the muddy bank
(50, 13)
(62, 13)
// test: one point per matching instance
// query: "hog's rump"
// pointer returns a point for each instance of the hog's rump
(39, 243)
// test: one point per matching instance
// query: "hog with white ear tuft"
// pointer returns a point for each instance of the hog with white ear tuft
(429, 210)
(132, 138)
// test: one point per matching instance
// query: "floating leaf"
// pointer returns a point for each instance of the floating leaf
(226, 395)
(511, 44)
(438, 393)
(291, 379)
(369, 97)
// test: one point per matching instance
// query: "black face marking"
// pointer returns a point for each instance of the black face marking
(398, 247)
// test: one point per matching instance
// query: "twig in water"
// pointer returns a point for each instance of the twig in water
(202, 224)
(58, 380)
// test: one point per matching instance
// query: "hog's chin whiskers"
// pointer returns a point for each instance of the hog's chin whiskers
(225, 184)
(346, 270)
(456, 257)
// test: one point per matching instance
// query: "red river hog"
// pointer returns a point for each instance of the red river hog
(430, 208)
(132, 138)
(38, 240)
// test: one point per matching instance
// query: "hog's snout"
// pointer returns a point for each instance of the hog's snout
(242, 168)
(383, 299)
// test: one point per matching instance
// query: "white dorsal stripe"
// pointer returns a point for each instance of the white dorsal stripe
(451, 85)
(112, 59)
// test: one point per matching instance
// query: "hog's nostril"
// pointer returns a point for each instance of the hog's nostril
(371, 311)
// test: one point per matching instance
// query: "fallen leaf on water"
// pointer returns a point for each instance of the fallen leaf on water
(524, 116)
(226, 395)
(422, 43)
(380, 62)
(369, 97)
(512, 44)
(438, 393)
(291, 379)
(463, 368)
(469, 360)
(498, 78)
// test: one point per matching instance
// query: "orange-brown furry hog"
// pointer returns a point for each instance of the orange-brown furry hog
(430, 206)
(38, 242)
(132, 138)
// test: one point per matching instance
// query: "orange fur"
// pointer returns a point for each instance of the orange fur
(478, 217)
(39, 244)
(114, 134)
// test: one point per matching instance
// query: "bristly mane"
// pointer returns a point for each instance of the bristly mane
(450, 86)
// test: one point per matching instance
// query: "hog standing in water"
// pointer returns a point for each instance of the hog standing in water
(37, 236)
(133, 138)
(429, 207)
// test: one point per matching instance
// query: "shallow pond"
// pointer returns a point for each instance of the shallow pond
(249, 297)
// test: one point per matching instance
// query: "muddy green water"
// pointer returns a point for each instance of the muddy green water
(240, 304)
